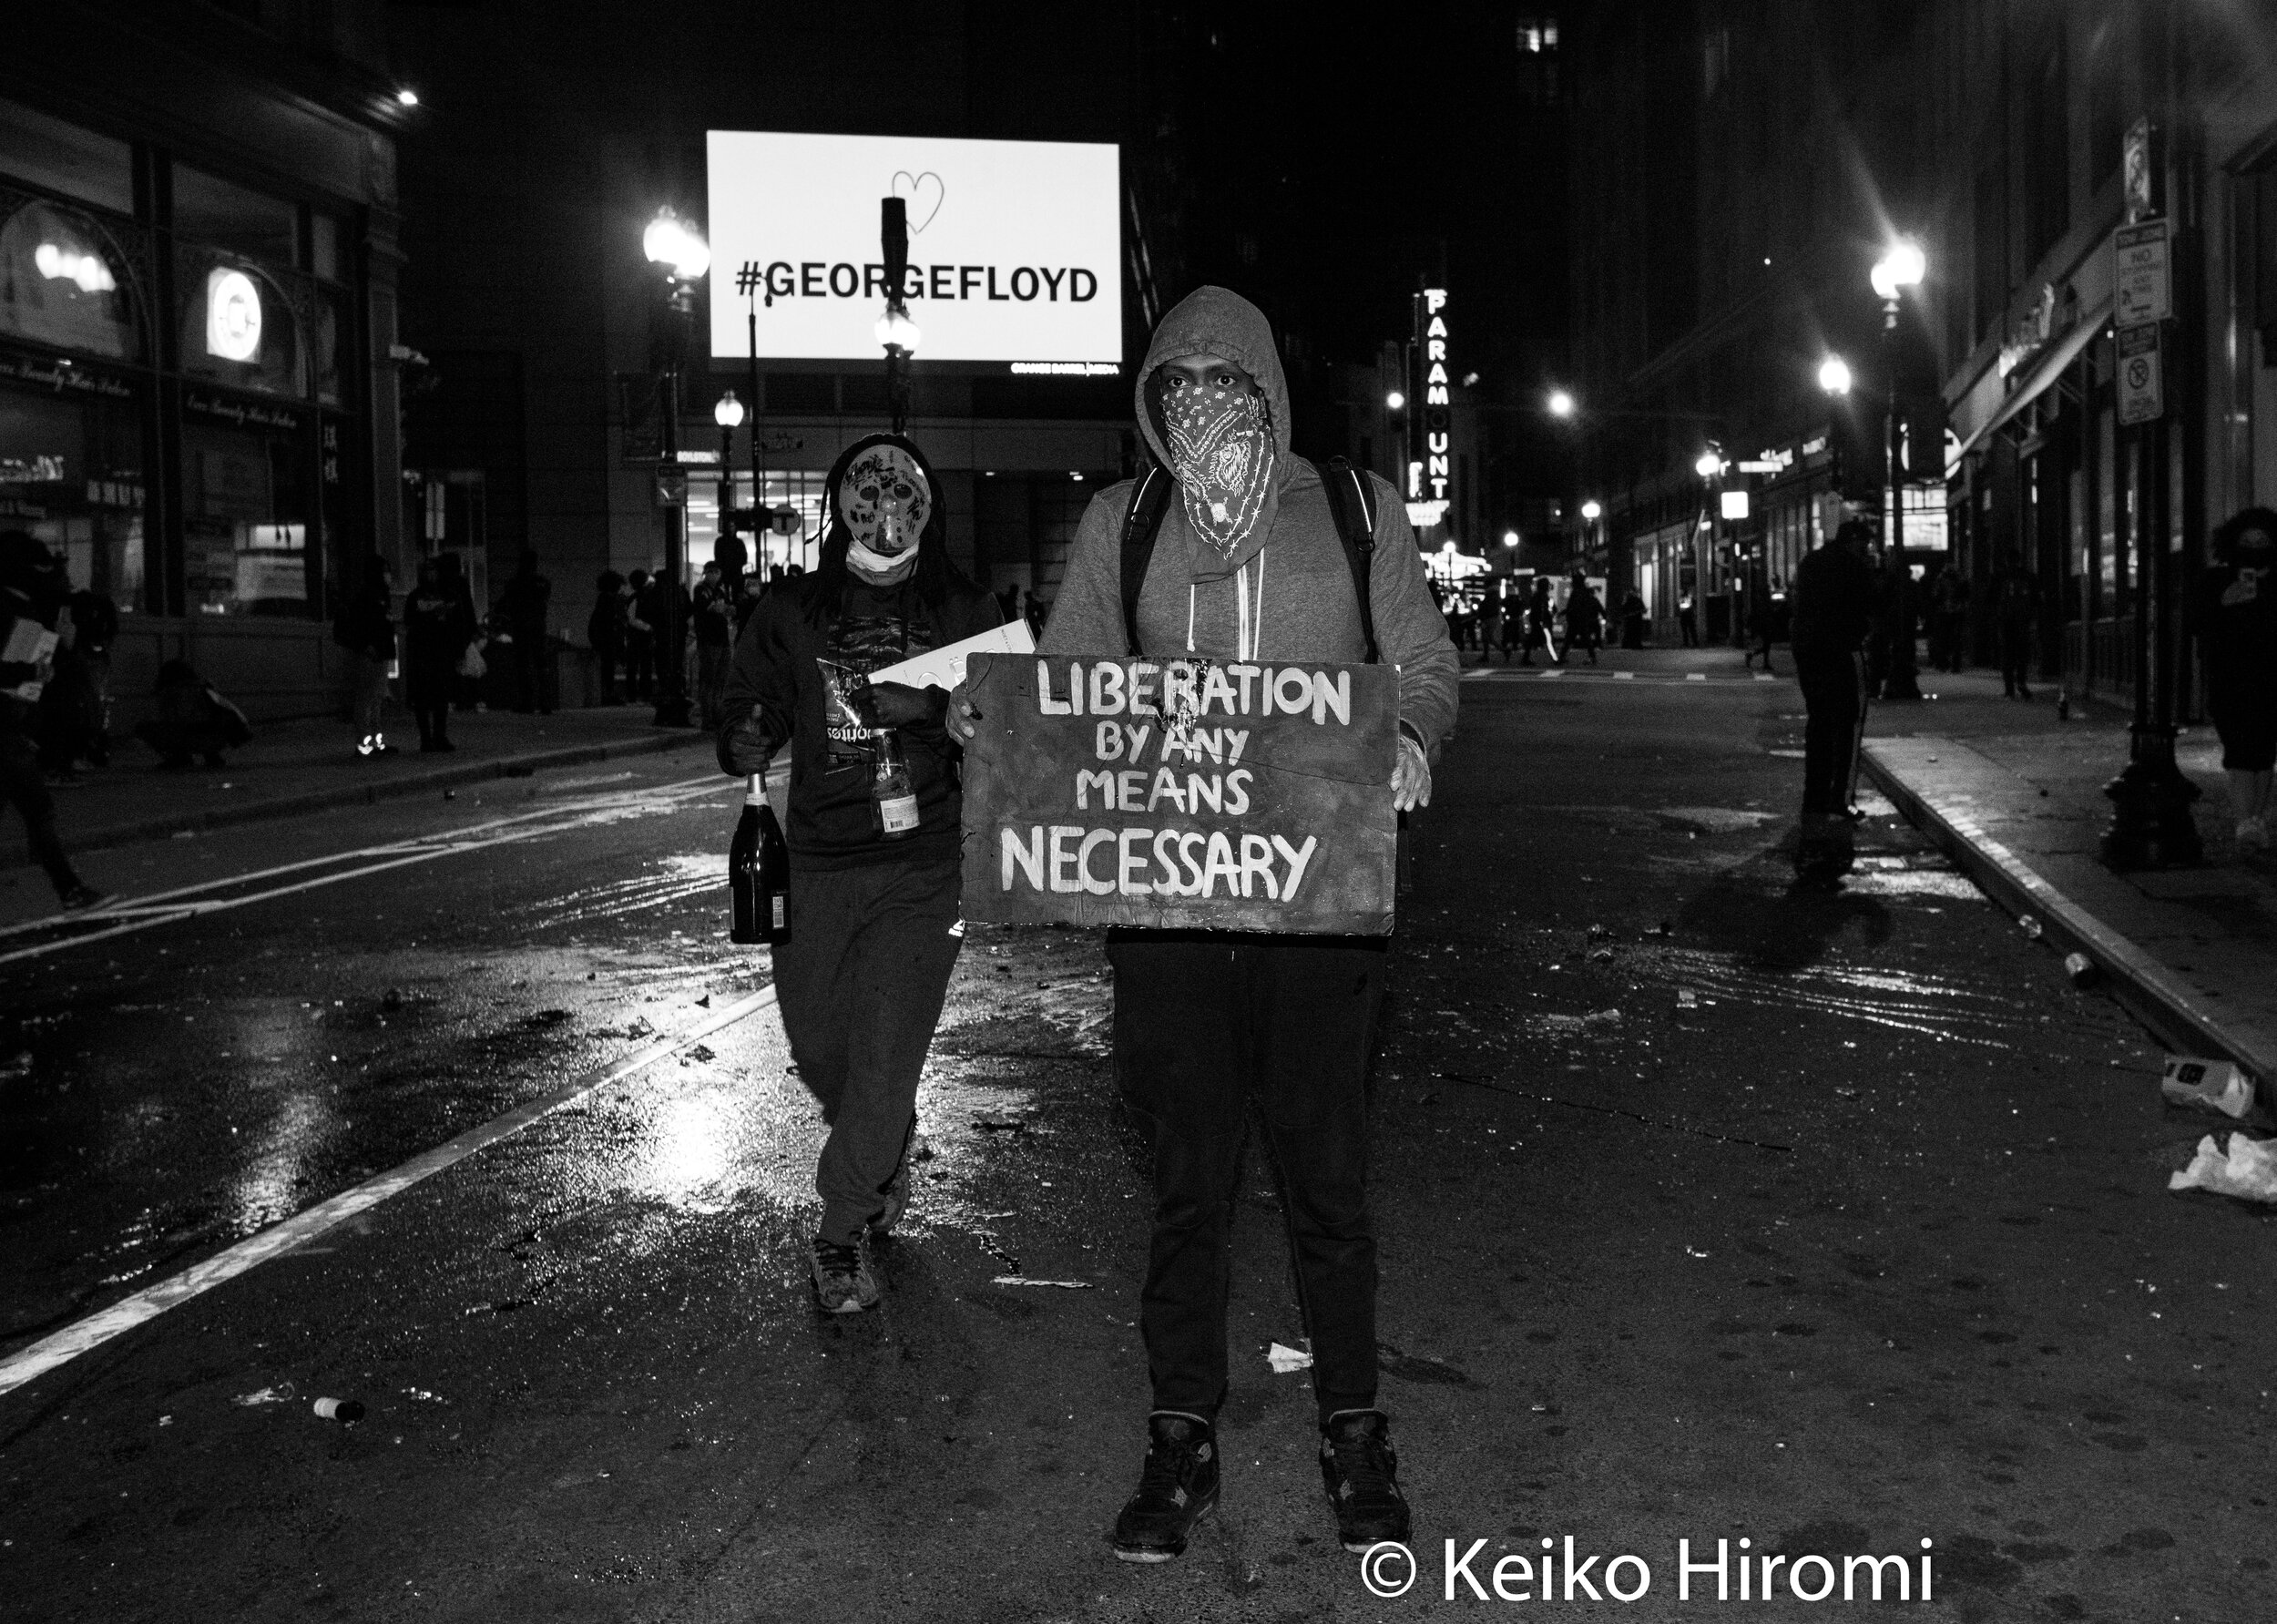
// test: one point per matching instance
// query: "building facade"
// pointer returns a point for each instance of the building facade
(197, 405)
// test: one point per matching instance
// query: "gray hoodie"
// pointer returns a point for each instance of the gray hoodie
(1289, 577)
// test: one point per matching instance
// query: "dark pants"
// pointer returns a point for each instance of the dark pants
(1688, 624)
(1206, 1025)
(860, 985)
(2016, 656)
(531, 691)
(640, 667)
(26, 789)
(1830, 695)
(712, 660)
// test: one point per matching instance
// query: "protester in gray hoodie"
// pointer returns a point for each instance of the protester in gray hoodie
(1246, 564)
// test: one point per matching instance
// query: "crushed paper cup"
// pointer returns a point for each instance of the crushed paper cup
(2248, 1170)
(1287, 1361)
(2207, 1086)
(1022, 1280)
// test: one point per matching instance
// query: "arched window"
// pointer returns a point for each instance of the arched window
(63, 281)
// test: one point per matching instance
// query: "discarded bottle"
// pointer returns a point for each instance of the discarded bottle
(2032, 927)
(2079, 968)
(892, 798)
(339, 1409)
(759, 873)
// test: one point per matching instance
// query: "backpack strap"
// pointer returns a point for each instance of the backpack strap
(1351, 500)
(1148, 498)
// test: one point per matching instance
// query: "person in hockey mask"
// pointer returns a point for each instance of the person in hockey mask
(873, 826)
(32, 593)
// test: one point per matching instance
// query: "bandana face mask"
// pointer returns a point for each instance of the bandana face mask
(1221, 454)
(885, 502)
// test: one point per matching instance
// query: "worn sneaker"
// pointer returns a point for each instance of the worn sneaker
(1177, 1487)
(1360, 1470)
(897, 1187)
(2252, 835)
(843, 1280)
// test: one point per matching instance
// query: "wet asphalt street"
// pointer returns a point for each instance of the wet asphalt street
(1710, 1209)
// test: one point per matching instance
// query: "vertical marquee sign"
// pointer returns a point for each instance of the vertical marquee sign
(1182, 794)
(1435, 468)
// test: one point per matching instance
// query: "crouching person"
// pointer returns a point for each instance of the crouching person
(1248, 562)
(873, 827)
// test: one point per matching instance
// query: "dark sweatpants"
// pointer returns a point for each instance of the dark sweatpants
(1206, 1024)
(22, 783)
(1831, 692)
(860, 985)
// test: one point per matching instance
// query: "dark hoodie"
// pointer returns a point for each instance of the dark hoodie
(791, 650)
(1289, 573)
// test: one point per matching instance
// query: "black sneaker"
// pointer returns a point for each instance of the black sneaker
(1360, 1470)
(1177, 1487)
(843, 1280)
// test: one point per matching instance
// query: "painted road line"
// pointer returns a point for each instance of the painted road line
(1695, 676)
(131, 915)
(29, 1364)
(1624, 676)
(1765, 677)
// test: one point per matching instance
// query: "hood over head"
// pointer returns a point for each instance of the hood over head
(1215, 322)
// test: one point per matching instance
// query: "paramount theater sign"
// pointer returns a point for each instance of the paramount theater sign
(1182, 794)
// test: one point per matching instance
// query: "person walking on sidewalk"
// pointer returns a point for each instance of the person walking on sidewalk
(366, 628)
(2235, 616)
(525, 606)
(2017, 604)
(1248, 562)
(1541, 625)
(1687, 623)
(875, 856)
(1834, 601)
(438, 624)
(1760, 628)
(1585, 618)
(713, 612)
(32, 593)
(639, 639)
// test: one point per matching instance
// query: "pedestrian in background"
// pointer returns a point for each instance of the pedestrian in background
(2234, 614)
(1541, 625)
(1758, 622)
(1834, 601)
(438, 625)
(95, 619)
(2017, 606)
(1490, 621)
(1687, 622)
(32, 592)
(1948, 612)
(366, 628)
(640, 653)
(527, 607)
(713, 611)
(873, 907)
(63, 720)
(605, 633)
(1208, 1023)
(190, 716)
(1584, 617)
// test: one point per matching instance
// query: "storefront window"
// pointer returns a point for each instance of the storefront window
(63, 281)
(71, 472)
(239, 327)
(221, 214)
(246, 507)
(800, 493)
(64, 158)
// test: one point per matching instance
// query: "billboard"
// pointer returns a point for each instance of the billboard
(1014, 248)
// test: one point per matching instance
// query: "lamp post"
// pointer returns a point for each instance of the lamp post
(679, 252)
(1900, 269)
(728, 548)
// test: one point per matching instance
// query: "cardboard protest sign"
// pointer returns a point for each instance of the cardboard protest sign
(1182, 794)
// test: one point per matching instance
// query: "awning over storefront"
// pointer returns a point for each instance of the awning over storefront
(2044, 372)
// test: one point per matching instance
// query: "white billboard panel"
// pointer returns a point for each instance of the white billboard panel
(1015, 247)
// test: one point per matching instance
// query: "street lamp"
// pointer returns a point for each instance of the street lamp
(1834, 376)
(1394, 402)
(680, 252)
(1560, 403)
(1710, 465)
(1591, 512)
(1902, 267)
(727, 550)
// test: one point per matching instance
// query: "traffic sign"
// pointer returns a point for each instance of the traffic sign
(2141, 393)
(2141, 287)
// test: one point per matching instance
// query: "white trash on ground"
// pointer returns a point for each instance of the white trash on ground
(2248, 1170)
(1287, 1361)
(2218, 1085)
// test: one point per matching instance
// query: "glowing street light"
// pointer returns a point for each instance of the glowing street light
(728, 413)
(1560, 403)
(1834, 376)
(895, 331)
(1395, 401)
(1591, 512)
(1509, 538)
(407, 97)
(1902, 266)
(1709, 466)
(671, 242)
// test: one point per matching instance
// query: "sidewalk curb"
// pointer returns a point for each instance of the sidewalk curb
(364, 794)
(2178, 1014)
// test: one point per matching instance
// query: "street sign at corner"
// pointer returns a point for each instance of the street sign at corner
(2141, 285)
(2140, 387)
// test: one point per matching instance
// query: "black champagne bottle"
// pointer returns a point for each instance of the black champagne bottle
(759, 873)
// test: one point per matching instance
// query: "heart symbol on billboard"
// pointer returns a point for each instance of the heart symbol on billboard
(916, 190)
